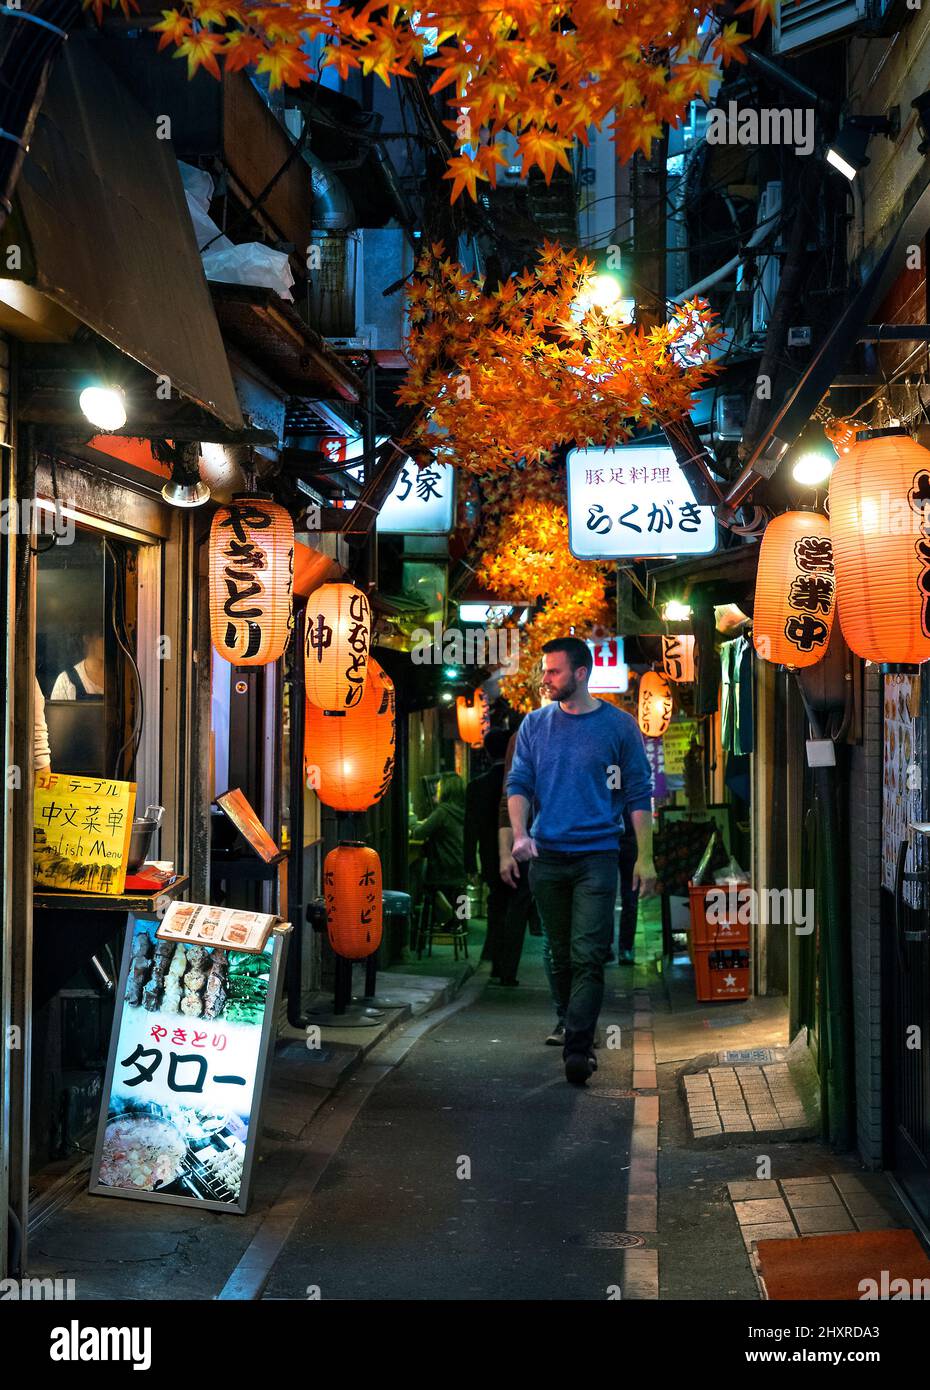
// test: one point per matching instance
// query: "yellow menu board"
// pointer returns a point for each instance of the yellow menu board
(676, 741)
(81, 831)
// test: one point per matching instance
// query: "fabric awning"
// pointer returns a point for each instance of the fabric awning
(106, 233)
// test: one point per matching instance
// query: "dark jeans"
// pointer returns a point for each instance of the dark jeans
(629, 897)
(511, 908)
(575, 894)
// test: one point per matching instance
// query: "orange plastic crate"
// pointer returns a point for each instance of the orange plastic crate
(720, 935)
(721, 974)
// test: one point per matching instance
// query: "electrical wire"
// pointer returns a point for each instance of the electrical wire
(135, 737)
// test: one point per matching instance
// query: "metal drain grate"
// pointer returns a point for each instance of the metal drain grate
(607, 1240)
(756, 1055)
(612, 1093)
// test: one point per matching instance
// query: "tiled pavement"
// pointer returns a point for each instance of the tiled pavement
(741, 1099)
(790, 1207)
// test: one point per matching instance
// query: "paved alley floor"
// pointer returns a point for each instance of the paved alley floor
(474, 1170)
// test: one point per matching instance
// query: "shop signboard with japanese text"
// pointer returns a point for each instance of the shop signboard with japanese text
(634, 502)
(422, 500)
(186, 1071)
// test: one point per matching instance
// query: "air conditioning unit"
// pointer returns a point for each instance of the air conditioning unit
(809, 22)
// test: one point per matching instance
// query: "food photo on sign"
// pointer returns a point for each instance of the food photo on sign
(186, 1071)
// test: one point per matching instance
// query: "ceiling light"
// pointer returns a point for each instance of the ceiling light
(676, 612)
(186, 489)
(104, 406)
(813, 468)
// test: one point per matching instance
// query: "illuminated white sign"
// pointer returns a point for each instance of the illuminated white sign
(608, 669)
(422, 501)
(634, 501)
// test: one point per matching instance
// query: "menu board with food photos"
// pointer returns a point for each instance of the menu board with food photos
(188, 1059)
(902, 799)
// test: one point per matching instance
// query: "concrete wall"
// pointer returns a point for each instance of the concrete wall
(882, 73)
(865, 845)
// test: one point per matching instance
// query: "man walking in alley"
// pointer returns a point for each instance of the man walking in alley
(584, 764)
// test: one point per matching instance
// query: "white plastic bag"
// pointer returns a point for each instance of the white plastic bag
(250, 264)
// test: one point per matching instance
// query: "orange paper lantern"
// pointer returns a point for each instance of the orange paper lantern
(472, 718)
(655, 704)
(251, 581)
(338, 635)
(795, 590)
(349, 754)
(352, 892)
(880, 523)
(678, 658)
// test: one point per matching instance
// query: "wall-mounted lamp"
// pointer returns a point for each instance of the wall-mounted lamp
(104, 406)
(847, 152)
(186, 488)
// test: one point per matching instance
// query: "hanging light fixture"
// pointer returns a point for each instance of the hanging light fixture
(678, 658)
(655, 704)
(795, 590)
(251, 580)
(104, 406)
(353, 896)
(338, 637)
(349, 753)
(880, 523)
(472, 718)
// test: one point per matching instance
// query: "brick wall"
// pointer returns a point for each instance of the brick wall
(865, 834)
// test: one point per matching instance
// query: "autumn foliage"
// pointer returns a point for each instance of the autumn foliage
(540, 73)
(514, 373)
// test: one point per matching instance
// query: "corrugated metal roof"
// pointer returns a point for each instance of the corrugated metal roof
(110, 237)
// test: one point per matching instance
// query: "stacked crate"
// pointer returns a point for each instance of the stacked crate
(719, 950)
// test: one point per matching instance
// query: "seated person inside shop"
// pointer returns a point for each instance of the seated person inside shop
(443, 833)
(85, 679)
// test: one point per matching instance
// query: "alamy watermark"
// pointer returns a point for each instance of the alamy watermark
(21, 516)
(452, 646)
(786, 907)
(768, 126)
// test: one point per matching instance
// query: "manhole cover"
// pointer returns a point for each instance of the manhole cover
(759, 1055)
(732, 1021)
(607, 1240)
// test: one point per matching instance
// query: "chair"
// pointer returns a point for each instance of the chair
(428, 930)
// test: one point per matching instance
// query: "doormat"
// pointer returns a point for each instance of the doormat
(835, 1267)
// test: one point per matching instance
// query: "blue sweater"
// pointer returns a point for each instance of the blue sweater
(582, 771)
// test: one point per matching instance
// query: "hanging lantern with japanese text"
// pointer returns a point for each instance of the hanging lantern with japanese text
(352, 893)
(349, 753)
(337, 639)
(880, 524)
(678, 658)
(251, 580)
(472, 719)
(795, 590)
(655, 704)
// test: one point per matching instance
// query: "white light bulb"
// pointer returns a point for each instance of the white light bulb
(104, 406)
(812, 468)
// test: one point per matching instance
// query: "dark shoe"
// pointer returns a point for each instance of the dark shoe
(557, 1037)
(511, 983)
(609, 958)
(627, 958)
(578, 1067)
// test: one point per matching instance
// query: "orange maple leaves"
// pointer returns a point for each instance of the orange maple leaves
(537, 75)
(513, 374)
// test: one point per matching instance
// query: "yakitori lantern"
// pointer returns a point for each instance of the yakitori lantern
(338, 635)
(352, 892)
(472, 718)
(795, 590)
(349, 753)
(655, 704)
(880, 524)
(251, 580)
(678, 658)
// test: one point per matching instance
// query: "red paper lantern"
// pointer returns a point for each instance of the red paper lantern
(678, 658)
(795, 590)
(352, 892)
(472, 718)
(880, 523)
(655, 704)
(349, 753)
(338, 635)
(251, 581)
